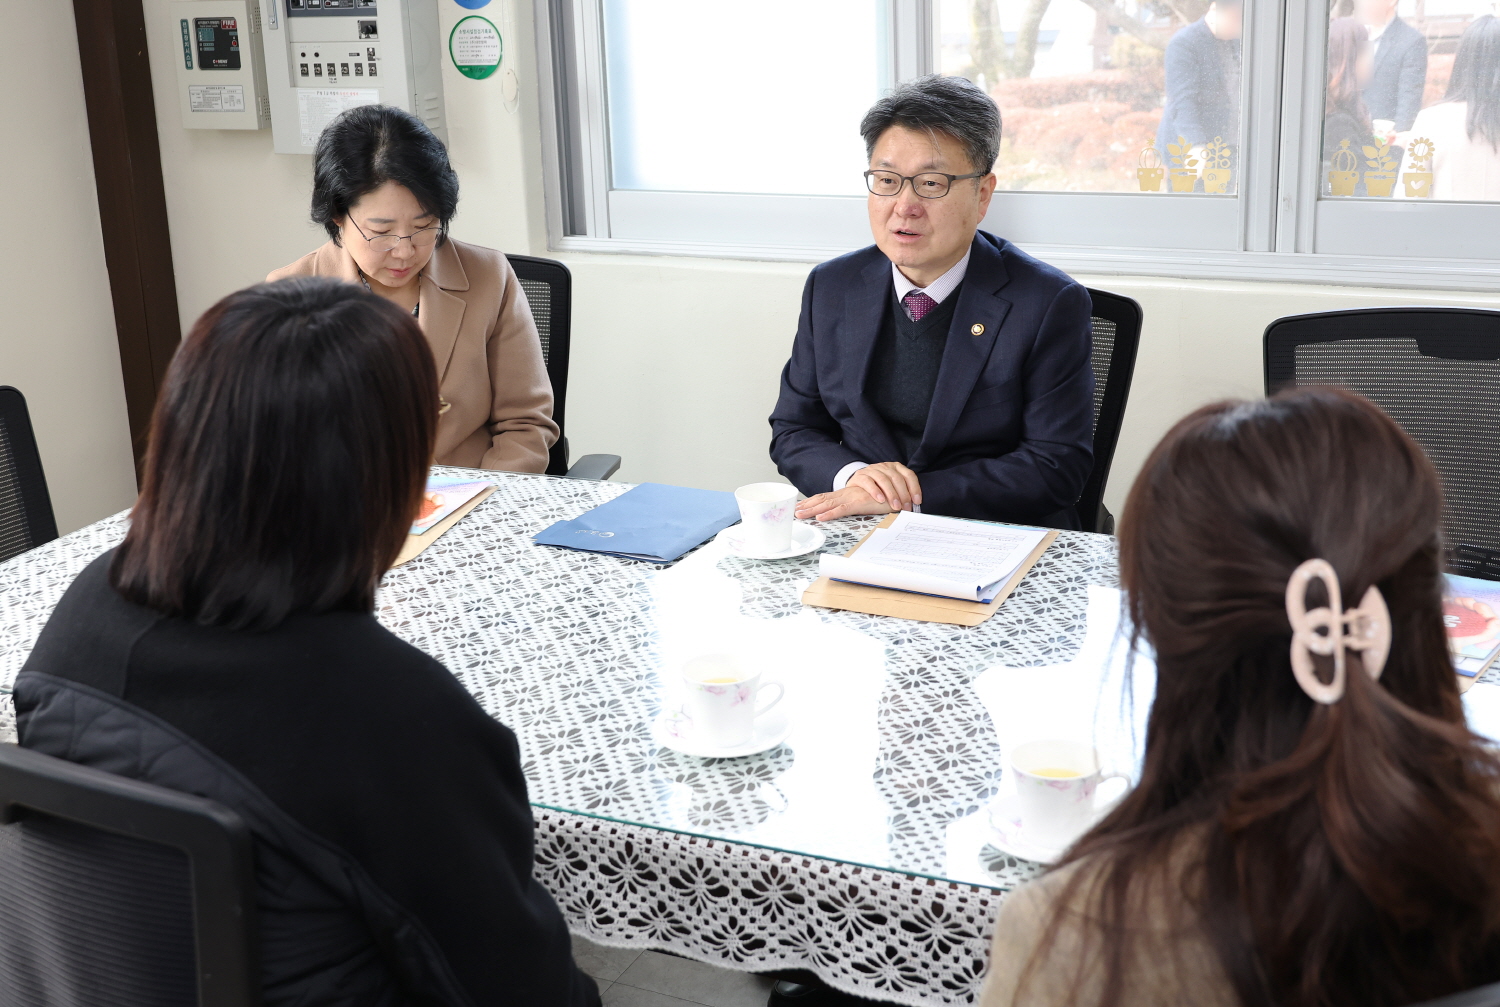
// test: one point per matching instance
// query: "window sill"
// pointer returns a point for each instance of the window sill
(1281, 267)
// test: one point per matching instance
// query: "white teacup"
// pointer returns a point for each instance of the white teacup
(767, 510)
(719, 697)
(1056, 783)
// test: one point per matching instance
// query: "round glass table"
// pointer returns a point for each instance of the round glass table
(833, 851)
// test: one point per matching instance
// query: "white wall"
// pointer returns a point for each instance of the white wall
(57, 343)
(675, 360)
(678, 359)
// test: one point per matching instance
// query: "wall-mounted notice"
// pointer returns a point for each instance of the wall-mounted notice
(216, 97)
(475, 47)
(317, 107)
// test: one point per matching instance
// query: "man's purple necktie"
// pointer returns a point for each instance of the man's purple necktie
(918, 304)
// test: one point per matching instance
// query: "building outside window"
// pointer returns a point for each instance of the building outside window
(1342, 141)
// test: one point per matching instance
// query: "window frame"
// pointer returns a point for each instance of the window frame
(1276, 228)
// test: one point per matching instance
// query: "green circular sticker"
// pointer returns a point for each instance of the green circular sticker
(475, 47)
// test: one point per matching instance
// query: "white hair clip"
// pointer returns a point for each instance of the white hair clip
(1331, 630)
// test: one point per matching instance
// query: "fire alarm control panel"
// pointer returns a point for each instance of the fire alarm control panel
(221, 80)
(324, 56)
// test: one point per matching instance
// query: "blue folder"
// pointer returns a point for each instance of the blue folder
(651, 522)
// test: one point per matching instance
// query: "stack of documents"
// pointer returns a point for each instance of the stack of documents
(942, 556)
(444, 504)
(652, 522)
(1471, 613)
(445, 494)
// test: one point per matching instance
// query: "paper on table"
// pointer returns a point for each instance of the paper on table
(944, 556)
(1482, 710)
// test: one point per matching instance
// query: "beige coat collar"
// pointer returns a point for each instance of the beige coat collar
(441, 314)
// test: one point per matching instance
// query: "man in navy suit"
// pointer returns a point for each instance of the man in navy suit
(1394, 93)
(941, 368)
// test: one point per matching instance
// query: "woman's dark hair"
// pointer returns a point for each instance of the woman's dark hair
(1476, 78)
(369, 145)
(289, 451)
(1347, 38)
(1344, 854)
(935, 103)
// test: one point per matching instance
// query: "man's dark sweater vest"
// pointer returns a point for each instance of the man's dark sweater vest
(904, 371)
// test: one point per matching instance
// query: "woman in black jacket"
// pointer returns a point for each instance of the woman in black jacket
(229, 648)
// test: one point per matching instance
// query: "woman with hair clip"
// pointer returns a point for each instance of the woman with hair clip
(1465, 126)
(229, 648)
(1315, 826)
(385, 193)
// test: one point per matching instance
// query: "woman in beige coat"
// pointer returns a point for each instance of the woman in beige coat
(1315, 826)
(383, 188)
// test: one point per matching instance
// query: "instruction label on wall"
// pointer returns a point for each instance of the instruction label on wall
(317, 107)
(216, 97)
(475, 47)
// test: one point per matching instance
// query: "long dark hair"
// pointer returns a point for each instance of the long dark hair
(1476, 78)
(1345, 854)
(288, 453)
(369, 145)
(1347, 38)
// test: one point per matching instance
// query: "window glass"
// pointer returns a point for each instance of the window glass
(1412, 109)
(718, 97)
(1121, 96)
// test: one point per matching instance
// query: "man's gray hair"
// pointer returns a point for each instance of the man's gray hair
(934, 103)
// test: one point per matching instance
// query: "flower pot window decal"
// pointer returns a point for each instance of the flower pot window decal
(1184, 165)
(1418, 181)
(1380, 181)
(1216, 170)
(1343, 174)
(1149, 170)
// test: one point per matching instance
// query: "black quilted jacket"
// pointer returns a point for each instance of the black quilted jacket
(393, 838)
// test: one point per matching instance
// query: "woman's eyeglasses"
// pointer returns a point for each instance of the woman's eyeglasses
(424, 238)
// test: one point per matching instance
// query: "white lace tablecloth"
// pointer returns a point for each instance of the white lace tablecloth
(830, 852)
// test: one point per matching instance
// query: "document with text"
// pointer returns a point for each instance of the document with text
(943, 556)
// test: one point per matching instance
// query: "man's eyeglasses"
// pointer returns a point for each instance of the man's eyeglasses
(927, 184)
(424, 238)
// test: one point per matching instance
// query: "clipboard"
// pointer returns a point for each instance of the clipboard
(416, 543)
(825, 593)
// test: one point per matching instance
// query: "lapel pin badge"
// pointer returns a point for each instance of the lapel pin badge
(977, 329)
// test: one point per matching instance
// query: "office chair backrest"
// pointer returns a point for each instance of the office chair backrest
(118, 893)
(1117, 335)
(26, 519)
(549, 289)
(1436, 371)
(1481, 996)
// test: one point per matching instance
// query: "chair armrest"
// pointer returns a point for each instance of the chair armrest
(594, 467)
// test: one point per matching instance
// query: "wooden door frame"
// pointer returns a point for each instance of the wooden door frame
(117, 91)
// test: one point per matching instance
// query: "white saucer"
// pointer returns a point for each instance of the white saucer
(1008, 837)
(805, 539)
(674, 729)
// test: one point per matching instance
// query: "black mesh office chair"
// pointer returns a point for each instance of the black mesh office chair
(1117, 335)
(549, 289)
(118, 893)
(26, 519)
(1436, 371)
(1480, 996)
